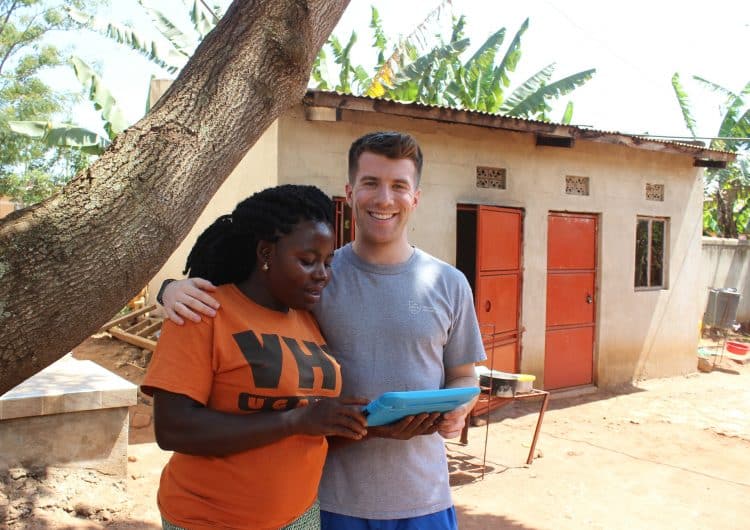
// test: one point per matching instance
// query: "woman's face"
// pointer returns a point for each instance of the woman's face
(299, 265)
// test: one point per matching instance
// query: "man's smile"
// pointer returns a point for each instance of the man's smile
(381, 215)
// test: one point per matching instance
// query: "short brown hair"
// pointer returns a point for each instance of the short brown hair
(391, 144)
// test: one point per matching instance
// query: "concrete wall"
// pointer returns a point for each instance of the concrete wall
(257, 170)
(72, 413)
(640, 334)
(89, 439)
(725, 264)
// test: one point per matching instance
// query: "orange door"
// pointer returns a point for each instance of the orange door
(571, 293)
(498, 284)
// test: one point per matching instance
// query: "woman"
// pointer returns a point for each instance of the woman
(244, 399)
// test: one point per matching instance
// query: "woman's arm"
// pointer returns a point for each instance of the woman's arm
(182, 424)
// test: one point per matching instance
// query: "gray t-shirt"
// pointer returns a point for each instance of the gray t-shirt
(393, 328)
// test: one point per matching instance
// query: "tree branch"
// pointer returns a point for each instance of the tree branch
(7, 16)
(72, 261)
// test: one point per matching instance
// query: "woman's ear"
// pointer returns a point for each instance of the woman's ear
(263, 255)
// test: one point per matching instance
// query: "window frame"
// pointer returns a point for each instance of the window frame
(343, 234)
(665, 254)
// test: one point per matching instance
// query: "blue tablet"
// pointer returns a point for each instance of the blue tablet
(392, 406)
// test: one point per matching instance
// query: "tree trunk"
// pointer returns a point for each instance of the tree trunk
(725, 199)
(68, 264)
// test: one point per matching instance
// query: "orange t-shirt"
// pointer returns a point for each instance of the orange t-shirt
(246, 359)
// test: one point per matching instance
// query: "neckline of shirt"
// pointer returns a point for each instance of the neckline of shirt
(290, 313)
(377, 268)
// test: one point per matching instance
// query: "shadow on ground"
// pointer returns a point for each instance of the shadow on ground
(483, 521)
(47, 498)
(466, 469)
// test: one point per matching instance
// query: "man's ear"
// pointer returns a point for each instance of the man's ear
(415, 197)
(348, 190)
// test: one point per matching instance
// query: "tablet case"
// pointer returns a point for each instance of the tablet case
(392, 406)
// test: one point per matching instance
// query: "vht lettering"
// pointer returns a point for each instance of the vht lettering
(250, 402)
(265, 360)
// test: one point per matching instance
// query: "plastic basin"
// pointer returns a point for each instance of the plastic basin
(738, 348)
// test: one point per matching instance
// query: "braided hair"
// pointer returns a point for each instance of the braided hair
(226, 251)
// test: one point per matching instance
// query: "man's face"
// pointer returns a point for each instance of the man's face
(382, 198)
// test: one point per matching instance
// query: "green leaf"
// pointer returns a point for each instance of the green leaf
(380, 41)
(69, 135)
(715, 87)
(512, 56)
(59, 135)
(171, 59)
(203, 20)
(183, 43)
(536, 102)
(488, 49)
(684, 102)
(32, 129)
(319, 71)
(528, 88)
(102, 98)
(568, 114)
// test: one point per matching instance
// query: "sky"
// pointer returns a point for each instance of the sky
(635, 46)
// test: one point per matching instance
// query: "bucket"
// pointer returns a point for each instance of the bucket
(721, 308)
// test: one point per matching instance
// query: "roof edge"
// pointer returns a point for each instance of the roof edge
(339, 102)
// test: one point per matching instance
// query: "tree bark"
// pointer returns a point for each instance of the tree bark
(71, 262)
(726, 221)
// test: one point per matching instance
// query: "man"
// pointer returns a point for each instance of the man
(396, 319)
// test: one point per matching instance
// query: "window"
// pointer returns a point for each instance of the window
(344, 223)
(576, 185)
(491, 177)
(650, 253)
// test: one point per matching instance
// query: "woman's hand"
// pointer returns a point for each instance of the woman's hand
(331, 417)
(189, 299)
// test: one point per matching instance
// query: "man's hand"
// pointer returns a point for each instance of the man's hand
(189, 299)
(408, 427)
(454, 421)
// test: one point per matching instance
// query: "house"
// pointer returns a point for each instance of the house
(582, 247)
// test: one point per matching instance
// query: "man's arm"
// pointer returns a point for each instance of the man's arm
(188, 298)
(453, 421)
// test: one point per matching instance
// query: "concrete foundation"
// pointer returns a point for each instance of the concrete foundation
(71, 414)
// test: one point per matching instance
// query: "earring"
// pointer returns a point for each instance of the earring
(264, 268)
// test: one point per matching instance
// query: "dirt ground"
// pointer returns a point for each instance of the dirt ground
(661, 454)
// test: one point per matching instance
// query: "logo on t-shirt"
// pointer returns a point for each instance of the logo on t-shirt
(265, 358)
(415, 308)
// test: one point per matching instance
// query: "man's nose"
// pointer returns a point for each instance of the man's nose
(385, 194)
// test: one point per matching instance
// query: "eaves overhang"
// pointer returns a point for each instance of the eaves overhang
(327, 106)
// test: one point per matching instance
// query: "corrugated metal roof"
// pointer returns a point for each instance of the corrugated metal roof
(339, 101)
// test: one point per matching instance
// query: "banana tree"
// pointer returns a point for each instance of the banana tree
(482, 81)
(177, 46)
(437, 75)
(727, 208)
(75, 136)
(392, 57)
